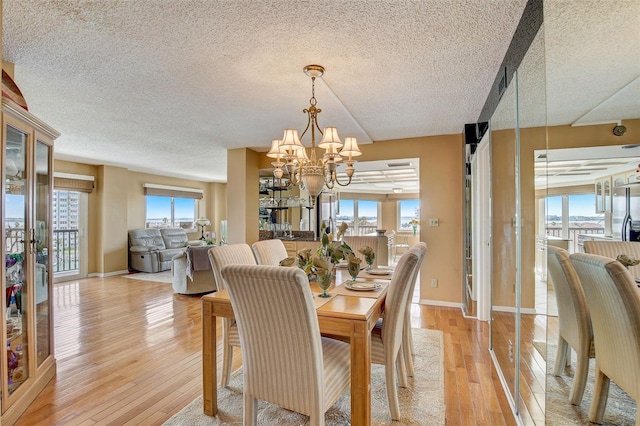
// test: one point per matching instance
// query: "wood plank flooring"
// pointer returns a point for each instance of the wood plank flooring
(129, 353)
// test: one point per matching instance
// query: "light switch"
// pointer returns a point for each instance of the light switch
(433, 221)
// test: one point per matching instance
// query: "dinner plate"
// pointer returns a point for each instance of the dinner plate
(380, 272)
(362, 285)
(342, 265)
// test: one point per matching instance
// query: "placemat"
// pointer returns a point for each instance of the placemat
(319, 301)
(344, 291)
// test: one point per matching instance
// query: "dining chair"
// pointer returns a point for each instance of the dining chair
(574, 320)
(612, 249)
(357, 242)
(269, 252)
(387, 334)
(219, 257)
(400, 244)
(286, 361)
(614, 304)
(407, 338)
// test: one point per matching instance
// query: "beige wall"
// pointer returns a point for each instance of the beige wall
(117, 205)
(503, 192)
(441, 191)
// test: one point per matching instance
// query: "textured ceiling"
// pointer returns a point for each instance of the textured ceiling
(167, 86)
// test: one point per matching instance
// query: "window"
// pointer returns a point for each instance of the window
(170, 212)
(407, 210)
(568, 216)
(366, 212)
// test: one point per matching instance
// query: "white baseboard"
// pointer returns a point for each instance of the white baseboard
(440, 303)
(108, 274)
(528, 311)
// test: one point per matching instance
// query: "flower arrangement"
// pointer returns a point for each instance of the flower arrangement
(627, 261)
(369, 255)
(414, 224)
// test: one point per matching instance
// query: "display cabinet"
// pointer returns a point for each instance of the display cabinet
(28, 362)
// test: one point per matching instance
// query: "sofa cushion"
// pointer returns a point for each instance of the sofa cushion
(148, 237)
(174, 238)
(167, 254)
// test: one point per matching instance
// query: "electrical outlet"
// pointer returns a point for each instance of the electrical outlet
(434, 282)
(433, 221)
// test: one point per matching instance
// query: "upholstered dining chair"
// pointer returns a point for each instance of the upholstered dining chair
(574, 320)
(357, 242)
(286, 361)
(612, 249)
(407, 338)
(269, 252)
(614, 304)
(219, 257)
(387, 335)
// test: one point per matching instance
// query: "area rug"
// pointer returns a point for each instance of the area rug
(621, 408)
(162, 277)
(422, 403)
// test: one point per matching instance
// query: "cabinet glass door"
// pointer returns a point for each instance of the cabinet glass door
(16, 258)
(41, 246)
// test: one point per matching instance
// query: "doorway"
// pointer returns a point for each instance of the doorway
(70, 248)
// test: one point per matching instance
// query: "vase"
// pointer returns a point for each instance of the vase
(415, 228)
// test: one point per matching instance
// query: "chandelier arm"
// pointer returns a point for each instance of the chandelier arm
(340, 183)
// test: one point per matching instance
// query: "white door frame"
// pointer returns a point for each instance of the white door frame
(481, 227)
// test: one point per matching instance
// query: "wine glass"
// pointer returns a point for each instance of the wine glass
(324, 281)
(370, 260)
(354, 270)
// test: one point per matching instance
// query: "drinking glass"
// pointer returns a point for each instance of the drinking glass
(354, 270)
(370, 260)
(324, 281)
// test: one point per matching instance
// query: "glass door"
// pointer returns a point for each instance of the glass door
(40, 246)
(17, 298)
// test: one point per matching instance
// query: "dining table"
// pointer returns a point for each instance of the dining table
(347, 313)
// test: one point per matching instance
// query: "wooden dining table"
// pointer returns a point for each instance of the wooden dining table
(350, 314)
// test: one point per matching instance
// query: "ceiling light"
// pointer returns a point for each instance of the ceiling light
(309, 171)
(397, 190)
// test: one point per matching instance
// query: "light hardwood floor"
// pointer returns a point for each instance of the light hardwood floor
(129, 352)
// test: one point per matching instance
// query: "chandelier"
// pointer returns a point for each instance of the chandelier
(311, 171)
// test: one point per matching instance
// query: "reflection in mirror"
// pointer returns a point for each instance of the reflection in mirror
(593, 86)
(502, 128)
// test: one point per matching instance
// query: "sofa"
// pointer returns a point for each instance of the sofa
(152, 249)
(191, 272)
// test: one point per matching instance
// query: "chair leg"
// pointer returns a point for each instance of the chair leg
(401, 369)
(580, 377)
(227, 357)
(560, 356)
(600, 395)
(250, 415)
(568, 357)
(316, 419)
(392, 391)
(407, 344)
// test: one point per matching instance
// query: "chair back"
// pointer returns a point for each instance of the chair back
(279, 335)
(269, 252)
(357, 242)
(233, 254)
(573, 312)
(421, 247)
(612, 249)
(397, 299)
(614, 304)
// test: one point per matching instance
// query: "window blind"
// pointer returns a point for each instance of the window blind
(70, 184)
(158, 190)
